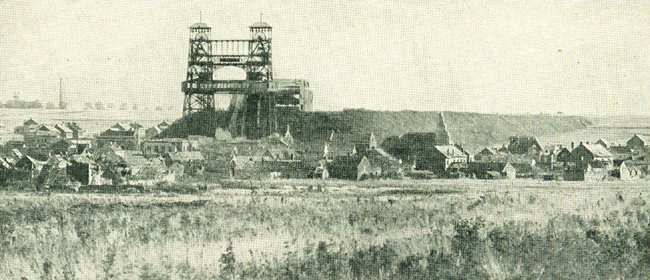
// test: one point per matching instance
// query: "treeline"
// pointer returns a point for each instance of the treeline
(122, 106)
(17, 103)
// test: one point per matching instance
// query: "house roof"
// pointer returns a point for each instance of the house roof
(135, 125)
(121, 126)
(597, 150)
(643, 137)
(603, 141)
(27, 159)
(450, 151)
(63, 128)
(488, 150)
(30, 122)
(74, 126)
(4, 164)
(135, 161)
(117, 133)
(154, 128)
(62, 143)
(47, 127)
(81, 159)
(186, 156)
(163, 123)
(57, 160)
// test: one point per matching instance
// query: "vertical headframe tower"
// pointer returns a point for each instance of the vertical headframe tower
(260, 105)
(200, 68)
(257, 99)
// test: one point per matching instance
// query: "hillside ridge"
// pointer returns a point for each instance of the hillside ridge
(471, 130)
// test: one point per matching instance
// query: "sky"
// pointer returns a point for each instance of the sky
(514, 57)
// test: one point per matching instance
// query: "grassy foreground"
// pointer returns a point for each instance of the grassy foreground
(459, 229)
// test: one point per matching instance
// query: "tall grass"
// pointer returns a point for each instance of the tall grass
(312, 233)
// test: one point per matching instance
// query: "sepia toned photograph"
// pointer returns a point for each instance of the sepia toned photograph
(324, 139)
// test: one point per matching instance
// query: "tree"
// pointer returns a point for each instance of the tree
(50, 105)
(135, 107)
(99, 105)
(124, 106)
(88, 106)
(110, 106)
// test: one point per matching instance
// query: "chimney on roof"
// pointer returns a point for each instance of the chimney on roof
(572, 145)
(580, 143)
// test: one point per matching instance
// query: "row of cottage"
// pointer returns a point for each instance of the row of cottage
(423, 155)
(343, 156)
(65, 153)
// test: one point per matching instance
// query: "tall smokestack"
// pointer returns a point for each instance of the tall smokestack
(61, 105)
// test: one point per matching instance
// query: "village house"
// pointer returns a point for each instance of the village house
(77, 131)
(54, 172)
(603, 142)
(639, 143)
(162, 146)
(491, 170)
(440, 158)
(63, 147)
(64, 131)
(593, 155)
(192, 161)
(28, 167)
(486, 153)
(84, 170)
(353, 168)
(42, 137)
(629, 171)
(125, 139)
(29, 127)
(548, 158)
(521, 145)
(564, 155)
(408, 146)
(152, 132)
(137, 170)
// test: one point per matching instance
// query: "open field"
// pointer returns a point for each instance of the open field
(294, 229)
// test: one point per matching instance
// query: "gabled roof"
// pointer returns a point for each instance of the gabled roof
(63, 128)
(155, 128)
(27, 159)
(47, 127)
(135, 125)
(4, 164)
(603, 141)
(62, 143)
(163, 123)
(597, 150)
(74, 126)
(120, 126)
(82, 159)
(450, 151)
(57, 160)
(643, 137)
(30, 122)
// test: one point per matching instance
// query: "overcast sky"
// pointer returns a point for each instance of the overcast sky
(577, 57)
